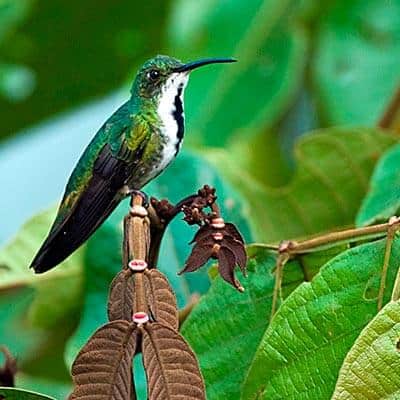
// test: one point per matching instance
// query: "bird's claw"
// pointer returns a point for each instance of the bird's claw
(143, 195)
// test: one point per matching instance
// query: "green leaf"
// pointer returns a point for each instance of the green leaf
(383, 199)
(57, 389)
(15, 331)
(333, 169)
(371, 368)
(356, 63)
(303, 348)
(19, 394)
(103, 257)
(11, 13)
(58, 292)
(253, 93)
(226, 326)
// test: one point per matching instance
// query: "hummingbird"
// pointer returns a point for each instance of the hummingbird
(130, 149)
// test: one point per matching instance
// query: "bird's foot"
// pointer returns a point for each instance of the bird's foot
(143, 195)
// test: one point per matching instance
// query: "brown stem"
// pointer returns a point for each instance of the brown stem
(388, 249)
(137, 245)
(157, 233)
(157, 230)
(391, 116)
(185, 311)
(187, 201)
(215, 209)
(283, 258)
(289, 248)
(396, 287)
(334, 238)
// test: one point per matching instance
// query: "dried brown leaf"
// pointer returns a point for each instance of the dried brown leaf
(238, 250)
(158, 294)
(231, 230)
(199, 256)
(226, 266)
(161, 299)
(171, 367)
(121, 299)
(103, 368)
(204, 232)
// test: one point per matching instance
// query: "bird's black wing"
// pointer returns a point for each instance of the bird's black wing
(99, 198)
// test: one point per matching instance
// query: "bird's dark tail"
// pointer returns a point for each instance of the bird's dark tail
(87, 216)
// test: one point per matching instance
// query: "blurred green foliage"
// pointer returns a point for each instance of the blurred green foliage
(304, 67)
(74, 51)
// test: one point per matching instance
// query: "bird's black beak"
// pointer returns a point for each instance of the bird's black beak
(199, 63)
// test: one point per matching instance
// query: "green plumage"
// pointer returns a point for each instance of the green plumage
(132, 147)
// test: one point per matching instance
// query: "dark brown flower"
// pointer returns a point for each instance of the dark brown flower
(9, 369)
(221, 241)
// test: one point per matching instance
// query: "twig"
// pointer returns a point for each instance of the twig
(394, 225)
(185, 311)
(391, 116)
(283, 258)
(289, 248)
(396, 287)
(332, 239)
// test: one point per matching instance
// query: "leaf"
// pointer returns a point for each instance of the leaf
(382, 200)
(20, 394)
(271, 50)
(355, 67)
(103, 255)
(11, 13)
(171, 367)
(303, 348)
(58, 293)
(103, 368)
(16, 256)
(226, 326)
(13, 308)
(162, 299)
(121, 300)
(370, 369)
(336, 163)
(158, 292)
(58, 390)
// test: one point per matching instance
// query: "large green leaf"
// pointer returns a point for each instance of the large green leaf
(333, 170)
(252, 94)
(303, 348)
(371, 369)
(383, 198)
(356, 63)
(58, 292)
(20, 394)
(226, 326)
(103, 257)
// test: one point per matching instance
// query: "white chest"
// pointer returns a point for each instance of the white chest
(170, 113)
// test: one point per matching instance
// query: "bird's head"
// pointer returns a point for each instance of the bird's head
(163, 75)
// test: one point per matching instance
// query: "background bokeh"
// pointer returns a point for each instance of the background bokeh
(65, 66)
(304, 65)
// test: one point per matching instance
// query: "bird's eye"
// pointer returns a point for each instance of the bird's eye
(153, 74)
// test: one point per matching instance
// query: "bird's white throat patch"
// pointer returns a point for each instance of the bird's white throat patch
(175, 86)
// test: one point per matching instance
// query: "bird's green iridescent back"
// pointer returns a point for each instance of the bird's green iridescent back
(124, 128)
